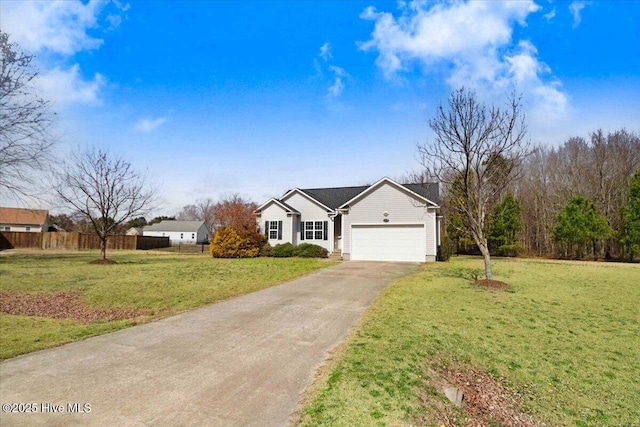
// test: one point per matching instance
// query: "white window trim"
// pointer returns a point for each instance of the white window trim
(273, 229)
(313, 230)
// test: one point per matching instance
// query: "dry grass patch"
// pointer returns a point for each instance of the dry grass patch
(60, 305)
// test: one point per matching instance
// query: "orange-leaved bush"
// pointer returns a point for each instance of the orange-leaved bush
(227, 243)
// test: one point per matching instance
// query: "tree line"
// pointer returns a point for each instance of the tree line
(580, 199)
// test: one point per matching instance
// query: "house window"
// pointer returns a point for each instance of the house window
(181, 235)
(7, 228)
(273, 229)
(315, 230)
(27, 228)
(193, 235)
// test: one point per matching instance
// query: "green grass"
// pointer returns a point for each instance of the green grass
(565, 341)
(159, 283)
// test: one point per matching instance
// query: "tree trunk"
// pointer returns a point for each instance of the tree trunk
(103, 247)
(487, 261)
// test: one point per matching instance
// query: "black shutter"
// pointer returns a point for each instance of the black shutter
(301, 230)
(279, 230)
(266, 229)
(326, 230)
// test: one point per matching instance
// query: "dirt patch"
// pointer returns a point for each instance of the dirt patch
(492, 284)
(486, 402)
(103, 262)
(60, 305)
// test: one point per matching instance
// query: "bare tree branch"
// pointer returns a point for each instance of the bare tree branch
(476, 153)
(104, 189)
(25, 139)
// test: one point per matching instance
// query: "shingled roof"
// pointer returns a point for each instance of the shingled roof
(170, 225)
(338, 196)
(429, 190)
(20, 216)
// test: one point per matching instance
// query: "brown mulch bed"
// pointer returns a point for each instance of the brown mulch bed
(60, 305)
(486, 402)
(492, 284)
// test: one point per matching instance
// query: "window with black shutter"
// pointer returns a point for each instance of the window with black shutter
(274, 230)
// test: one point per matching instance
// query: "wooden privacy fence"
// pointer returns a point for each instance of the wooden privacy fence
(78, 241)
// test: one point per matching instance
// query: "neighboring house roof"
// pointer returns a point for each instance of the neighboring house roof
(169, 226)
(21, 216)
(134, 231)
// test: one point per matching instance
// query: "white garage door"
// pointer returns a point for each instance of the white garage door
(388, 242)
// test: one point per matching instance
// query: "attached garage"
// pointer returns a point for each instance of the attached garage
(388, 242)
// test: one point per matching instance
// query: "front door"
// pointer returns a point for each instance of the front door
(337, 233)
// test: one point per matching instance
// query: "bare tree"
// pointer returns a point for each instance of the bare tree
(104, 189)
(202, 210)
(476, 153)
(25, 139)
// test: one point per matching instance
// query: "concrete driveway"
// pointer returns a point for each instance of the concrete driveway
(241, 362)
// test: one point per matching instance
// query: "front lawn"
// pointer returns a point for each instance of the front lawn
(561, 347)
(143, 286)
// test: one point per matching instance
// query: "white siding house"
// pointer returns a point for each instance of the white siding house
(24, 220)
(386, 221)
(179, 232)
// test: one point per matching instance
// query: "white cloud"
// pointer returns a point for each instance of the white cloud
(114, 21)
(339, 71)
(576, 9)
(442, 31)
(550, 15)
(336, 88)
(472, 42)
(335, 73)
(147, 125)
(325, 51)
(57, 26)
(68, 86)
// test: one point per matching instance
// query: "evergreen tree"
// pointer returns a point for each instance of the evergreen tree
(505, 226)
(630, 230)
(579, 223)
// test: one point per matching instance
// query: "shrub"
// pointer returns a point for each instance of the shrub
(283, 250)
(308, 250)
(445, 249)
(265, 250)
(511, 250)
(227, 243)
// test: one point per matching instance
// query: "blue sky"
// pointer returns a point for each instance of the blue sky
(215, 97)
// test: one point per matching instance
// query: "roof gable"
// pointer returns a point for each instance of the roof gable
(418, 191)
(21, 216)
(287, 208)
(307, 196)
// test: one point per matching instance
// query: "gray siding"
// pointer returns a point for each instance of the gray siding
(310, 211)
(402, 209)
(274, 212)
